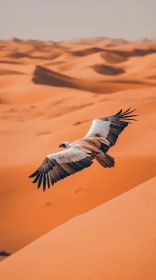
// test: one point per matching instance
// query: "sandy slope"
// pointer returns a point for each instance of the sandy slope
(49, 93)
(114, 241)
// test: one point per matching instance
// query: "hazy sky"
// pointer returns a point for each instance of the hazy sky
(67, 19)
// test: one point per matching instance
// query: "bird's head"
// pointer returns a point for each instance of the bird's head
(64, 145)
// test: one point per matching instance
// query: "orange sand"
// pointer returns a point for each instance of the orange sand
(49, 93)
(114, 241)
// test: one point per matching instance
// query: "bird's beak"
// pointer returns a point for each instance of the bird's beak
(60, 145)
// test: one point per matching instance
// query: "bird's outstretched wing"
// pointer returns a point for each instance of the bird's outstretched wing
(110, 127)
(59, 165)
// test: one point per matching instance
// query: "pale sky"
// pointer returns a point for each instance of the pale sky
(58, 20)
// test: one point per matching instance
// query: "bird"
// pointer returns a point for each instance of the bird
(80, 154)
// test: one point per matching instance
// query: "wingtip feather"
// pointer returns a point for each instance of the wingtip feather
(33, 174)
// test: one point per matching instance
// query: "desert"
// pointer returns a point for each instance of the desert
(50, 92)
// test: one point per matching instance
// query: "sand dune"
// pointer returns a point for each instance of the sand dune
(9, 72)
(134, 52)
(117, 56)
(108, 70)
(87, 51)
(49, 93)
(9, 62)
(48, 77)
(111, 57)
(97, 244)
(71, 196)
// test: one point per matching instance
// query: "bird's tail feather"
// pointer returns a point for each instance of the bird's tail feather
(105, 160)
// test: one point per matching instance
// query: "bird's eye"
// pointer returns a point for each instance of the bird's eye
(62, 145)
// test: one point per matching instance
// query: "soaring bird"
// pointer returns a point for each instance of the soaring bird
(80, 154)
